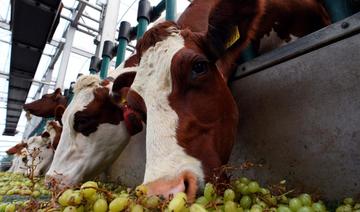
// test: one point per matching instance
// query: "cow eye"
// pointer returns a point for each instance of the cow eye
(199, 68)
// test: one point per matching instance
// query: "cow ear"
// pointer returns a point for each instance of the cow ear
(45, 135)
(121, 85)
(232, 24)
(123, 80)
(59, 111)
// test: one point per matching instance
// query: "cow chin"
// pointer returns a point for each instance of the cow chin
(186, 182)
(82, 157)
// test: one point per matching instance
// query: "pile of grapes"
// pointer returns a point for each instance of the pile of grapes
(242, 195)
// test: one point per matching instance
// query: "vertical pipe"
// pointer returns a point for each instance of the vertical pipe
(120, 56)
(143, 17)
(338, 9)
(104, 66)
(107, 54)
(170, 10)
(65, 58)
(124, 37)
(94, 65)
(142, 26)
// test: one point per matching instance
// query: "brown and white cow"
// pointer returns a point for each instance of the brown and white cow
(94, 133)
(181, 84)
(37, 151)
(48, 106)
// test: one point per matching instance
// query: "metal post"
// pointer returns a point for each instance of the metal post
(143, 17)
(106, 55)
(124, 38)
(94, 65)
(109, 24)
(47, 79)
(65, 58)
(339, 9)
(170, 10)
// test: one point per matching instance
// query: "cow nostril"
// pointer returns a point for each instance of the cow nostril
(186, 185)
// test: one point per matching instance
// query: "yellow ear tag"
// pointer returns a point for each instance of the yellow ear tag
(234, 37)
(123, 101)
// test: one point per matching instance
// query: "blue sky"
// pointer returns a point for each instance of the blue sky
(77, 64)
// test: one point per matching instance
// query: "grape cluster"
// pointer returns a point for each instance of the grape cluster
(242, 195)
(349, 205)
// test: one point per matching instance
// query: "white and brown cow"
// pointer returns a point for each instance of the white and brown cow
(181, 84)
(94, 133)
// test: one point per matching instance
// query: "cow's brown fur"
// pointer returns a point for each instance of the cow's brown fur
(205, 107)
(45, 107)
(16, 149)
(100, 110)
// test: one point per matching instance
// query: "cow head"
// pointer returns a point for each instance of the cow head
(17, 148)
(54, 129)
(39, 153)
(191, 115)
(93, 135)
(45, 107)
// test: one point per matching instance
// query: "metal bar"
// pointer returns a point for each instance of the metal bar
(90, 18)
(104, 66)
(78, 14)
(141, 28)
(88, 27)
(316, 40)
(170, 10)
(6, 76)
(90, 5)
(121, 51)
(80, 24)
(65, 57)
(109, 25)
(86, 32)
(338, 9)
(4, 25)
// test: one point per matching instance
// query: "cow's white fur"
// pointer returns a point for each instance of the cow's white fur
(164, 157)
(80, 157)
(45, 156)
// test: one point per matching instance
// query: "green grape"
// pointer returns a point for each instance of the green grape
(349, 201)
(63, 199)
(80, 208)
(244, 180)
(305, 199)
(318, 207)
(137, 208)
(36, 194)
(295, 204)
(253, 187)
(197, 208)
(209, 191)
(245, 202)
(283, 208)
(141, 190)
(118, 204)
(202, 201)
(305, 209)
(75, 198)
(357, 206)
(264, 191)
(70, 209)
(344, 208)
(178, 203)
(230, 206)
(10, 208)
(152, 202)
(244, 190)
(239, 187)
(88, 192)
(229, 195)
(256, 208)
(100, 205)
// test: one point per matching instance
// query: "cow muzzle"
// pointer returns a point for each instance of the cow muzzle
(185, 182)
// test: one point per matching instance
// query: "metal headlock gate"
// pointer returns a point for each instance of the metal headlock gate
(299, 106)
(146, 14)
